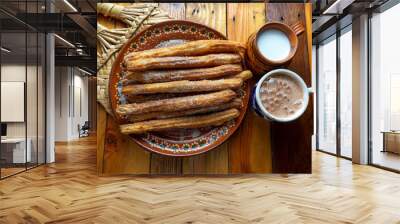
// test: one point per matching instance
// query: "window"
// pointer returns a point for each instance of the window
(326, 136)
(346, 92)
(385, 89)
(334, 94)
(22, 75)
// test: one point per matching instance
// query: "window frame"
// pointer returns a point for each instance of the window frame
(381, 9)
(30, 30)
(339, 33)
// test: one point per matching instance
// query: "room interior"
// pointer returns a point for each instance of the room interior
(333, 53)
(26, 106)
(61, 146)
(22, 105)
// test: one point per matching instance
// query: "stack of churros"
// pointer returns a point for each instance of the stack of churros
(191, 85)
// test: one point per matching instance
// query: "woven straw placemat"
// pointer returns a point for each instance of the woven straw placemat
(137, 16)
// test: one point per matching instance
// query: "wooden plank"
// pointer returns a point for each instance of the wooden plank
(249, 147)
(216, 160)
(101, 133)
(121, 154)
(166, 164)
(308, 14)
(92, 98)
(291, 142)
(210, 14)
(244, 19)
(101, 113)
(174, 10)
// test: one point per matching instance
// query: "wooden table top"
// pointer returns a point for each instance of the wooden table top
(258, 146)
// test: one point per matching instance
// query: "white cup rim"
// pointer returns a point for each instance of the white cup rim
(305, 95)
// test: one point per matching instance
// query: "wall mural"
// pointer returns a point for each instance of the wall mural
(204, 88)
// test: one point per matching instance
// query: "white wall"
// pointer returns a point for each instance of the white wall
(16, 73)
(62, 82)
(33, 127)
(13, 73)
(71, 102)
(80, 101)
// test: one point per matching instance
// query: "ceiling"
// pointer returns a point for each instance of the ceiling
(15, 42)
(332, 15)
(72, 20)
(39, 6)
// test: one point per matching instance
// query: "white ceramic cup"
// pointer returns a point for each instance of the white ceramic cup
(259, 107)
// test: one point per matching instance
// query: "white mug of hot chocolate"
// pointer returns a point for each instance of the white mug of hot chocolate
(281, 95)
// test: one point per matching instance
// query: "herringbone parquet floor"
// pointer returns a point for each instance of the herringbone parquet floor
(70, 191)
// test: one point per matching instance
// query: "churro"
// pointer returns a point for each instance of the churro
(244, 75)
(178, 103)
(213, 119)
(193, 48)
(235, 103)
(175, 62)
(132, 98)
(183, 86)
(154, 76)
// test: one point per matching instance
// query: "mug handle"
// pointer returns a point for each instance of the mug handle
(298, 28)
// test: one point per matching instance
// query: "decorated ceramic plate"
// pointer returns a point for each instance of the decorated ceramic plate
(182, 142)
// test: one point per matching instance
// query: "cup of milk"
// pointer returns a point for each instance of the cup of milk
(274, 44)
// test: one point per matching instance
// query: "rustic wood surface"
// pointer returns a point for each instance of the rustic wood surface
(249, 149)
(291, 142)
(216, 160)
(70, 191)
